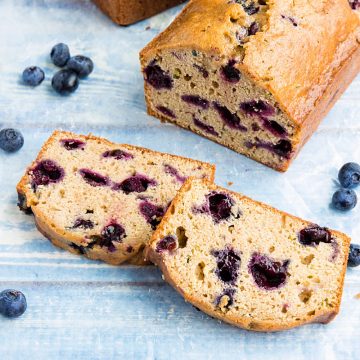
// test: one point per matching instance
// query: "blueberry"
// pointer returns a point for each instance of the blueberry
(11, 140)
(354, 255)
(65, 82)
(313, 235)
(230, 73)
(344, 199)
(33, 76)
(93, 178)
(60, 54)
(136, 183)
(46, 172)
(349, 175)
(168, 243)
(12, 303)
(82, 65)
(228, 265)
(157, 77)
(220, 206)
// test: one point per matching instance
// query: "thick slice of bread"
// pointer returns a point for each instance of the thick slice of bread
(101, 199)
(247, 263)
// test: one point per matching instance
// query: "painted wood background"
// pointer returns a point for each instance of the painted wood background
(79, 309)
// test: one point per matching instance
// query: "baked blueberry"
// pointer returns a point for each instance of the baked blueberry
(83, 224)
(136, 183)
(152, 213)
(344, 199)
(65, 82)
(229, 118)
(228, 265)
(12, 303)
(267, 273)
(220, 205)
(166, 111)
(60, 54)
(349, 175)
(72, 144)
(207, 128)
(117, 154)
(46, 172)
(195, 100)
(80, 64)
(314, 235)
(354, 255)
(93, 178)
(11, 140)
(230, 73)
(168, 243)
(157, 77)
(33, 76)
(111, 233)
(174, 172)
(355, 4)
(257, 107)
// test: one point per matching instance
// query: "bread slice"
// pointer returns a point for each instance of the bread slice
(126, 12)
(256, 76)
(247, 263)
(100, 199)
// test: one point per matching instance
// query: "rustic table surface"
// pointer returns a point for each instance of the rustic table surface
(81, 309)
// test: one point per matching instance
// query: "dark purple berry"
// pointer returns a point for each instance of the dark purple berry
(83, 224)
(72, 144)
(152, 213)
(314, 235)
(65, 82)
(274, 127)
(46, 172)
(80, 64)
(230, 294)
(11, 140)
(166, 111)
(207, 128)
(229, 118)
(268, 273)
(344, 199)
(355, 4)
(349, 175)
(354, 255)
(157, 77)
(175, 173)
(196, 100)
(230, 73)
(60, 54)
(12, 303)
(93, 178)
(111, 233)
(254, 28)
(202, 70)
(33, 76)
(220, 205)
(257, 107)
(168, 243)
(136, 183)
(228, 265)
(118, 154)
(283, 148)
(249, 6)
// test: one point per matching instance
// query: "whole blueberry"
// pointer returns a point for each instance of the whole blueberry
(11, 140)
(354, 255)
(344, 199)
(33, 76)
(349, 175)
(65, 82)
(82, 65)
(60, 54)
(12, 303)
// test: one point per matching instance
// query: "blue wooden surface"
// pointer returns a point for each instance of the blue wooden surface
(80, 309)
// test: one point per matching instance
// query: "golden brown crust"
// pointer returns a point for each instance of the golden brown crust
(126, 12)
(65, 239)
(322, 53)
(150, 254)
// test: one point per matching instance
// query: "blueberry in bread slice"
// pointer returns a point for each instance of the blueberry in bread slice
(256, 76)
(247, 263)
(100, 199)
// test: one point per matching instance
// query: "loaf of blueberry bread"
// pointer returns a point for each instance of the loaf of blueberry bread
(125, 12)
(255, 76)
(101, 199)
(246, 263)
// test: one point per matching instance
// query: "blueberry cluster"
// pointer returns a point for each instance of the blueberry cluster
(65, 81)
(12, 303)
(345, 199)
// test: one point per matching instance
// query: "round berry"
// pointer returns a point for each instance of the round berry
(65, 82)
(344, 199)
(60, 54)
(33, 76)
(349, 175)
(82, 65)
(354, 255)
(12, 303)
(11, 140)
